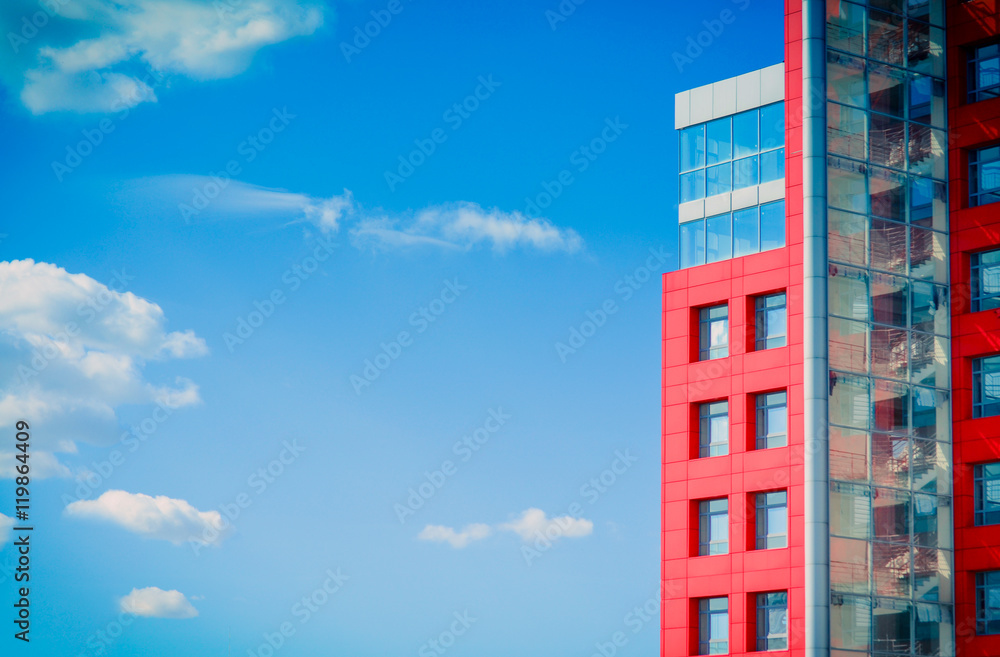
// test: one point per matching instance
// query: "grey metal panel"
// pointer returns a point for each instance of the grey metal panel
(718, 204)
(701, 104)
(815, 349)
(682, 110)
(748, 91)
(690, 211)
(772, 84)
(724, 98)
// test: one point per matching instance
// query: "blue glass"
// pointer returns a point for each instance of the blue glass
(719, 237)
(720, 140)
(745, 133)
(772, 126)
(719, 179)
(772, 165)
(772, 225)
(692, 147)
(692, 185)
(745, 172)
(745, 239)
(692, 243)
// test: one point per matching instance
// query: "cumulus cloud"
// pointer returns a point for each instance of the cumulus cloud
(457, 226)
(458, 540)
(72, 351)
(154, 602)
(159, 517)
(531, 525)
(108, 55)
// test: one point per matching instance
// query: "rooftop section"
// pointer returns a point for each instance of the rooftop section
(725, 97)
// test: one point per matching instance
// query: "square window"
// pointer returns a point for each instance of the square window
(772, 621)
(984, 176)
(713, 429)
(713, 626)
(984, 73)
(771, 321)
(713, 332)
(713, 526)
(988, 602)
(772, 420)
(772, 520)
(986, 386)
(987, 493)
(985, 281)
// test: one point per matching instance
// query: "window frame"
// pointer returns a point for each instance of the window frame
(762, 404)
(706, 413)
(977, 195)
(706, 541)
(976, 92)
(978, 388)
(766, 640)
(707, 645)
(762, 333)
(982, 516)
(762, 505)
(705, 322)
(976, 268)
(983, 617)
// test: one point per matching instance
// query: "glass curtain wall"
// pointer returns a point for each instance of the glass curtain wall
(890, 422)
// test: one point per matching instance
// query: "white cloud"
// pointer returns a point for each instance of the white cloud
(5, 525)
(533, 523)
(106, 55)
(154, 602)
(158, 517)
(461, 226)
(458, 540)
(73, 350)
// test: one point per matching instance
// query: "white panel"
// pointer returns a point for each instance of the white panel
(718, 204)
(772, 191)
(690, 211)
(748, 91)
(724, 98)
(682, 110)
(744, 198)
(772, 84)
(701, 104)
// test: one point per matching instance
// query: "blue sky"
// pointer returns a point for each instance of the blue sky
(238, 322)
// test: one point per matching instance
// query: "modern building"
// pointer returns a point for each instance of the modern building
(831, 343)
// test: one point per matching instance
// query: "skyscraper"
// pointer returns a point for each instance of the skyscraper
(831, 343)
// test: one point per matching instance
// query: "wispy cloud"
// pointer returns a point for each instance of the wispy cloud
(154, 602)
(107, 55)
(159, 517)
(458, 540)
(457, 226)
(72, 351)
(532, 524)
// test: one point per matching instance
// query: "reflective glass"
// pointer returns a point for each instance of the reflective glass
(848, 565)
(848, 292)
(845, 30)
(850, 510)
(720, 140)
(887, 141)
(772, 126)
(848, 349)
(846, 79)
(927, 146)
(850, 622)
(985, 281)
(745, 238)
(692, 142)
(847, 237)
(888, 245)
(692, 241)
(845, 130)
(745, 173)
(772, 165)
(887, 191)
(885, 37)
(887, 90)
(986, 386)
(719, 238)
(929, 308)
(772, 225)
(891, 516)
(850, 400)
(692, 185)
(745, 133)
(719, 179)
(846, 185)
(891, 624)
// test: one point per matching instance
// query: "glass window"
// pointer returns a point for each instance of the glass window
(928, 202)
(984, 73)
(988, 602)
(987, 493)
(772, 126)
(693, 147)
(848, 237)
(745, 238)
(845, 79)
(986, 386)
(850, 622)
(719, 179)
(771, 321)
(720, 140)
(719, 237)
(713, 526)
(772, 420)
(713, 339)
(887, 141)
(745, 172)
(713, 430)
(984, 176)
(845, 131)
(772, 520)
(985, 281)
(847, 186)
(692, 243)
(772, 225)
(885, 37)
(772, 621)
(713, 626)
(845, 30)
(692, 185)
(887, 89)
(772, 165)
(745, 134)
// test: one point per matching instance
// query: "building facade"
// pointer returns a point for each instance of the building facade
(831, 343)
